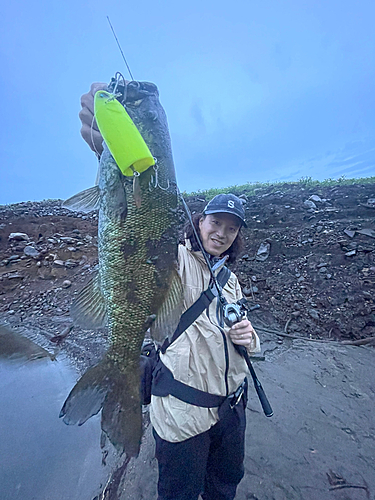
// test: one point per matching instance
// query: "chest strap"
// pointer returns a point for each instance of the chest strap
(194, 311)
(164, 384)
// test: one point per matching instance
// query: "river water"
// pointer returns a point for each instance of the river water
(41, 457)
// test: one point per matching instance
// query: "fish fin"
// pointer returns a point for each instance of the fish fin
(169, 312)
(116, 392)
(86, 398)
(89, 309)
(16, 347)
(86, 201)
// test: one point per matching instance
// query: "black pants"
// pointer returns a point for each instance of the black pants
(210, 463)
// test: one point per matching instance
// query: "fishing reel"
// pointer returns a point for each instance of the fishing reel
(234, 313)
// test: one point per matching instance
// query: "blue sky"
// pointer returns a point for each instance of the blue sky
(253, 91)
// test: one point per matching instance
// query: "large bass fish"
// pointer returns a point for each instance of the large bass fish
(137, 284)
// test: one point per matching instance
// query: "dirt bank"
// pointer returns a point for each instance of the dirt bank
(308, 265)
(308, 270)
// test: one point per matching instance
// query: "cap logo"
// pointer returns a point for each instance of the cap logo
(230, 203)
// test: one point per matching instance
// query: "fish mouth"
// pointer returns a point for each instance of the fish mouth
(139, 90)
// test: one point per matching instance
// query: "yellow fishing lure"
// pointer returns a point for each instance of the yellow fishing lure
(121, 135)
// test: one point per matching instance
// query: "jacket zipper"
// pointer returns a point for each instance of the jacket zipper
(225, 341)
(226, 361)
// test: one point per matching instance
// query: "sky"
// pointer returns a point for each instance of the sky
(254, 91)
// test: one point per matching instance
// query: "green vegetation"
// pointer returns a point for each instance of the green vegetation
(305, 182)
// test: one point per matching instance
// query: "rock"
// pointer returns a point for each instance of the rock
(66, 284)
(323, 270)
(13, 257)
(351, 253)
(70, 263)
(322, 264)
(31, 252)
(309, 204)
(58, 263)
(315, 198)
(313, 314)
(349, 233)
(19, 237)
(67, 239)
(295, 314)
(367, 232)
(15, 276)
(247, 291)
(263, 252)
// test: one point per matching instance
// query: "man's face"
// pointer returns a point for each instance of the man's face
(218, 231)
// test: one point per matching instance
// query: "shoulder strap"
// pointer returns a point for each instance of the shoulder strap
(195, 310)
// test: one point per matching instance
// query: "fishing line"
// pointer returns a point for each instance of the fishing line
(92, 136)
(119, 46)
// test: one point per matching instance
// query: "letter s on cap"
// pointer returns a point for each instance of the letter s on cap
(230, 203)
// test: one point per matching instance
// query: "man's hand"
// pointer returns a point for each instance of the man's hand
(243, 333)
(89, 130)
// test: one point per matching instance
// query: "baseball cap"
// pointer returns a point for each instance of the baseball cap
(227, 203)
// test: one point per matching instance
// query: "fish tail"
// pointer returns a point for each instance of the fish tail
(116, 392)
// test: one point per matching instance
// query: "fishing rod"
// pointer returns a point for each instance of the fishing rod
(119, 46)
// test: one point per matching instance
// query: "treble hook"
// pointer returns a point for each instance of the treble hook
(118, 77)
(154, 181)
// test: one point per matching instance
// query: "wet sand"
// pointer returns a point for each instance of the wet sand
(320, 443)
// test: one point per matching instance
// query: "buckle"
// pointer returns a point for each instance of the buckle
(236, 396)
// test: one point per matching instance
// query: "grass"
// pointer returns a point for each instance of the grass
(251, 189)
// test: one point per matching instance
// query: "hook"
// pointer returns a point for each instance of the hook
(154, 181)
(118, 77)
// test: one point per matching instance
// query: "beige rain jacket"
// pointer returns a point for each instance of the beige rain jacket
(197, 357)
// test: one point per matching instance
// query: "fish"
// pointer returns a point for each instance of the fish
(137, 286)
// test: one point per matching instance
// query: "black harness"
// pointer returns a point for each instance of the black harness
(164, 383)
